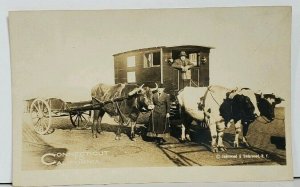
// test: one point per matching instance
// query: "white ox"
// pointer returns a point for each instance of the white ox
(189, 100)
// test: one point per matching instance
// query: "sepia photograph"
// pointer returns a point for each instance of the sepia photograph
(152, 95)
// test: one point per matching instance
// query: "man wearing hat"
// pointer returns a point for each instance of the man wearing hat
(159, 124)
(184, 66)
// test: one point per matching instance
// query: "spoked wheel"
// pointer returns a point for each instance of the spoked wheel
(80, 119)
(41, 116)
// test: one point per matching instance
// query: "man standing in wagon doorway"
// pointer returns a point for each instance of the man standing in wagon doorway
(184, 65)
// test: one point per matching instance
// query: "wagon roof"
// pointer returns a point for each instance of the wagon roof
(159, 47)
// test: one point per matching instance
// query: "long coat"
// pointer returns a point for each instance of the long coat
(159, 124)
(184, 66)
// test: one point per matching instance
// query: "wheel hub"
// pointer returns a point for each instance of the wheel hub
(40, 114)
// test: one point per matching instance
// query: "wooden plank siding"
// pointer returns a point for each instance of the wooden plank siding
(148, 76)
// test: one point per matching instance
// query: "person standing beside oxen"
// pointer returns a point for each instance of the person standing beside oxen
(184, 65)
(159, 124)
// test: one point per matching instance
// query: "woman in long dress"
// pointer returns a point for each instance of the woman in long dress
(159, 124)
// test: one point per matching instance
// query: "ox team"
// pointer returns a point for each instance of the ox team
(216, 106)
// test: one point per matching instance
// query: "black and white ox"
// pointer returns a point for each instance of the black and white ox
(219, 107)
(135, 100)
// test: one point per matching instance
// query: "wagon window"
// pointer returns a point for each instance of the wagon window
(131, 77)
(131, 61)
(193, 58)
(151, 59)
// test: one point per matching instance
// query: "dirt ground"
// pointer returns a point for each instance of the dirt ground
(67, 147)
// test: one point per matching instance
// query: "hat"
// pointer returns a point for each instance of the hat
(182, 53)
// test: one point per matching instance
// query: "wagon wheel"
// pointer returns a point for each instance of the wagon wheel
(41, 116)
(80, 119)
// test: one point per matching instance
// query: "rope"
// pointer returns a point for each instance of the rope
(114, 101)
(121, 114)
(152, 121)
(194, 83)
(166, 123)
(213, 98)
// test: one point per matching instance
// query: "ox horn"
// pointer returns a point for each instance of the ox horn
(154, 89)
(141, 86)
(136, 90)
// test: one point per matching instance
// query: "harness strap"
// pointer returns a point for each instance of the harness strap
(152, 120)
(114, 101)
(213, 97)
(121, 114)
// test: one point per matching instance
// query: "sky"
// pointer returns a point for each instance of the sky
(64, 54)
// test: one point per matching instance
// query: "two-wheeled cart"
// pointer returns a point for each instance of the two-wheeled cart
(42, 111)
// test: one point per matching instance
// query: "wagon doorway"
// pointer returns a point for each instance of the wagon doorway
(199, 73)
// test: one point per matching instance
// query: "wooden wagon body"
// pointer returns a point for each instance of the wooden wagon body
(153, 65)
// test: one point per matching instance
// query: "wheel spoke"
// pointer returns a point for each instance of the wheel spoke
(84, 117)
(35, 124)
(45, 124)
(38, 126)
(39, 105)
(42, 124)
(44, 108)
(80, 118)
(36, 108)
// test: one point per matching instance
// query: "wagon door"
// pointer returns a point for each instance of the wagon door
(199, 73)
